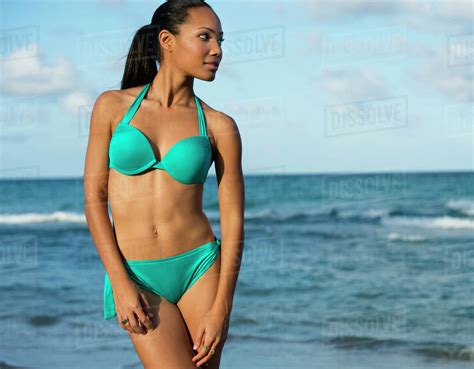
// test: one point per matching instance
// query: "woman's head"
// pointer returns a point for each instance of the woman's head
(183, 34)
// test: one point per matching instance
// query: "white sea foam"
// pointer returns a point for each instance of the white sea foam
(444, 222)
(54, 217)
(463, 206)
(393, 236)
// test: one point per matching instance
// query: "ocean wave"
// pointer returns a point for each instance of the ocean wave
(54, 217)
(393, 236)
(444, 222)
(375, 213)
(448, 351)
(362, 342)
(65, 217)
(441, 350)
(317, 214)
(44, 320)
(372, 216)
(272, 214)
(5, 365)
(270, 338)
(465, 207)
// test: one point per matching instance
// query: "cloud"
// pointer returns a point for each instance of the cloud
(431, 72)
(323, 9)
(441, 16)
(354, 84)
(419, 14)
(333, 10)
(23, 74)
(456, 82)
(75, 102)
(455, 10)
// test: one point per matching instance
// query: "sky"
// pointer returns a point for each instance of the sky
(314, 86)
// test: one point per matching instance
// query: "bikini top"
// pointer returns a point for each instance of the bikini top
(188, 161)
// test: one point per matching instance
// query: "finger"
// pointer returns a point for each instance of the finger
(206, 354)
(199, 338)
(215, 347)
(203, 350)
(120, 316)
(143, 319)
(199, 346)
(125, 326)
(133, 322)
(145, 312)
(128, 327)
(146, 305)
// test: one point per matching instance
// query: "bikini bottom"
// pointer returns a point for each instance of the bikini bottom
(168, 277)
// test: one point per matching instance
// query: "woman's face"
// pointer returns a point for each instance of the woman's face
(197, 45)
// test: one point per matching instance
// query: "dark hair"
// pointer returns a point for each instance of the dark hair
(144, 53)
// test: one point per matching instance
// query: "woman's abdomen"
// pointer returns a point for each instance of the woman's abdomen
(155, 227)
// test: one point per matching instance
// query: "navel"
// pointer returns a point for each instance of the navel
(155, 231)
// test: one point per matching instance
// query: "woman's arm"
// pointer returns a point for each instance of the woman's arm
(231, 195)
(96, 173)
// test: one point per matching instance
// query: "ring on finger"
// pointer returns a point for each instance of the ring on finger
(125, 321)
(212, 352)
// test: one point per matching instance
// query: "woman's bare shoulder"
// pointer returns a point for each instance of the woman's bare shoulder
(117, 97)
(116, 103)
(218, 120)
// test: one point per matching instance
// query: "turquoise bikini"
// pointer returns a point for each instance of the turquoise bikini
(188, 162)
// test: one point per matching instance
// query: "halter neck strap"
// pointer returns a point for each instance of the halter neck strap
(138, 100)
(201, 117)
(135, 105)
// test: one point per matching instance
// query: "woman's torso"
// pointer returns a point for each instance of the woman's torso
(154, 215)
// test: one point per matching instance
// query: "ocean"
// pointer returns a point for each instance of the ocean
(338, 271)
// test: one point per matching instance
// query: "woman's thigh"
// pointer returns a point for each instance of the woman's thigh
(197, 301)
(167, 345)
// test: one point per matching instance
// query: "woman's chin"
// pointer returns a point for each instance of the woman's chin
(211, 77)
(207, 76)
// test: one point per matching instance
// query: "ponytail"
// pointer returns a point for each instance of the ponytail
(140, 67)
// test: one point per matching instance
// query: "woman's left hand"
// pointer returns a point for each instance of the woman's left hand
(212, 333)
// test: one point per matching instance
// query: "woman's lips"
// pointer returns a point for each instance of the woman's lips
(212, 66)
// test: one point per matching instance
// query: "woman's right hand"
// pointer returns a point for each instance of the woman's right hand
(130, 303)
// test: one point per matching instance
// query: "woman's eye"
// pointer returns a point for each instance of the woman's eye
(206, 34)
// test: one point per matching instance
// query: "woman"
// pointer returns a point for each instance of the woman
(169, 280)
